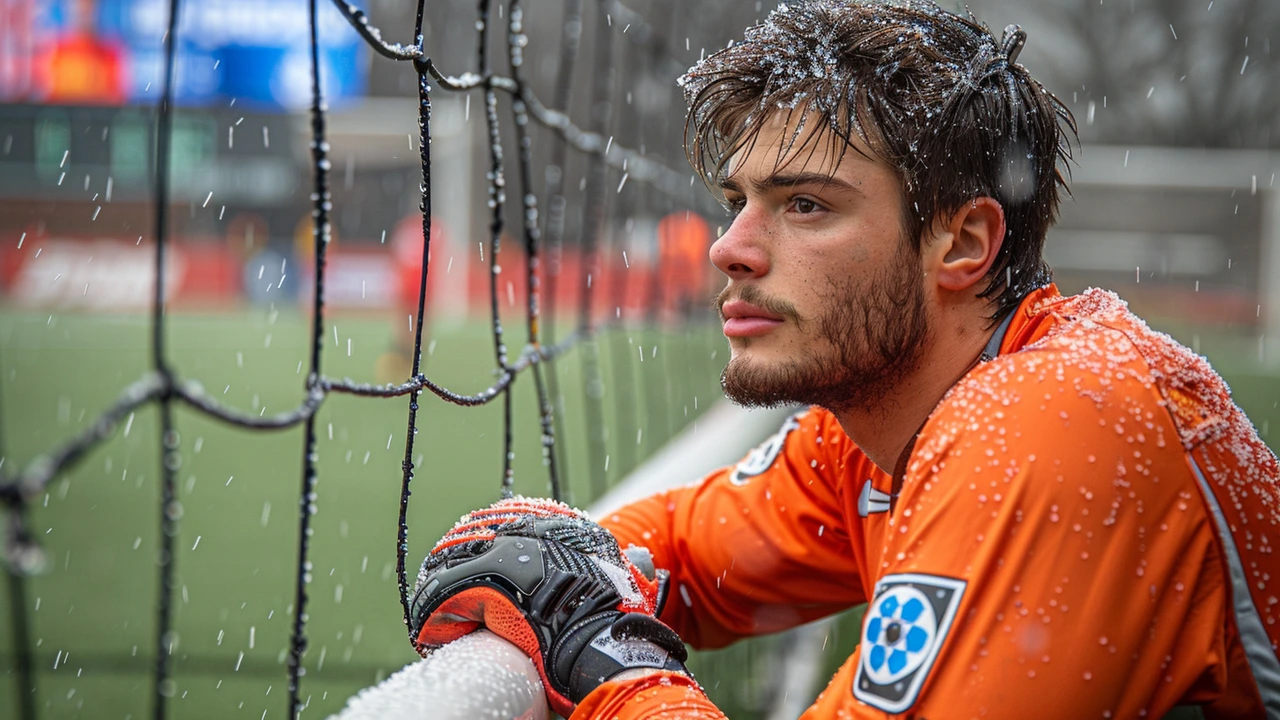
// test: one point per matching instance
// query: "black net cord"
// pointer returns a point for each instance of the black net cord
(17, 545)
(170, 509)
(516, 40)
(424, 148)
(497, 205)
(570, 41)
(17, 549)
(170, 513)
(320, 234)
(18, 487)
(25, 678)
(162, 385)
(593, 221)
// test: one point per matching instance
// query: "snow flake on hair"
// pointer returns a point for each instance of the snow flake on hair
(800, 58)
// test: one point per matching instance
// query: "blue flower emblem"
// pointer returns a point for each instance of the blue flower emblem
(900, 628)
(902, 635)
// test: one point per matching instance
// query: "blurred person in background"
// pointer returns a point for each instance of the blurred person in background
(395, 364)
(83, 67)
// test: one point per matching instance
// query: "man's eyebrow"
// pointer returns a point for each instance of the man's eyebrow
(785, 180)
(730, 184)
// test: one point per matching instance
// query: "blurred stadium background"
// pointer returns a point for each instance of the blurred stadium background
(1175, 206)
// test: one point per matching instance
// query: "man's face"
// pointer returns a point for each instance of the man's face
(825, 302)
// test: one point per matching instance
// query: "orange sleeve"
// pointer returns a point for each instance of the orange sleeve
(758, 547)
(1056, 508)
(663, 696)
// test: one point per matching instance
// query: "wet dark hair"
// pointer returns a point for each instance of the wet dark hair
(933, 94)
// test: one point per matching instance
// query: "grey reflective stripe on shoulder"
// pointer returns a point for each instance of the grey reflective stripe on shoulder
(1257, 645)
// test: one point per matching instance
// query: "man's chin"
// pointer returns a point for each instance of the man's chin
(755, 385)
(755, 400)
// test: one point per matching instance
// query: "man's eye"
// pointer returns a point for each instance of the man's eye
(804, 206)
(735, 205)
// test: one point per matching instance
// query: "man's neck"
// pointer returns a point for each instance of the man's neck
(884, 433)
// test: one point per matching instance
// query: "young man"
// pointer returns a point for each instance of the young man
(1051, 510)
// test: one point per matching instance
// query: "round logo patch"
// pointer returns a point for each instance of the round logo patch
(901, 628)
(904, 630)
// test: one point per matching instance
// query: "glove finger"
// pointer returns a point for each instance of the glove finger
(466, 611)
(505, 515)
(460, 615)
(475, 607)
(522, 506)
(454, 538)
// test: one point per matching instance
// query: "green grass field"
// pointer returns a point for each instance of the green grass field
(93, 611)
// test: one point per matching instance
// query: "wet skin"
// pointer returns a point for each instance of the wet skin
(800, 225)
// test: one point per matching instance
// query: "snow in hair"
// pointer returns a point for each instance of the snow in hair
(934, 94)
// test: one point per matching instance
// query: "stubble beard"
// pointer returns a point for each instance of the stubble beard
(872, 334)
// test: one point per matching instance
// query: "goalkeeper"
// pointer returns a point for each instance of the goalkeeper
(1051, 510)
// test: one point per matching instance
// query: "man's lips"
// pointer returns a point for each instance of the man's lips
(742, 319)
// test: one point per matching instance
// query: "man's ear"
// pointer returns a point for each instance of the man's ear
(968, 244)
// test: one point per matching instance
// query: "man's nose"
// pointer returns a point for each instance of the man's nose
(740, 252)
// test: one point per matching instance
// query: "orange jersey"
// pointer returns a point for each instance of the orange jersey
(1082, 530)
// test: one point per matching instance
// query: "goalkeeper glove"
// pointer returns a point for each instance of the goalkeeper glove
(544, 577)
